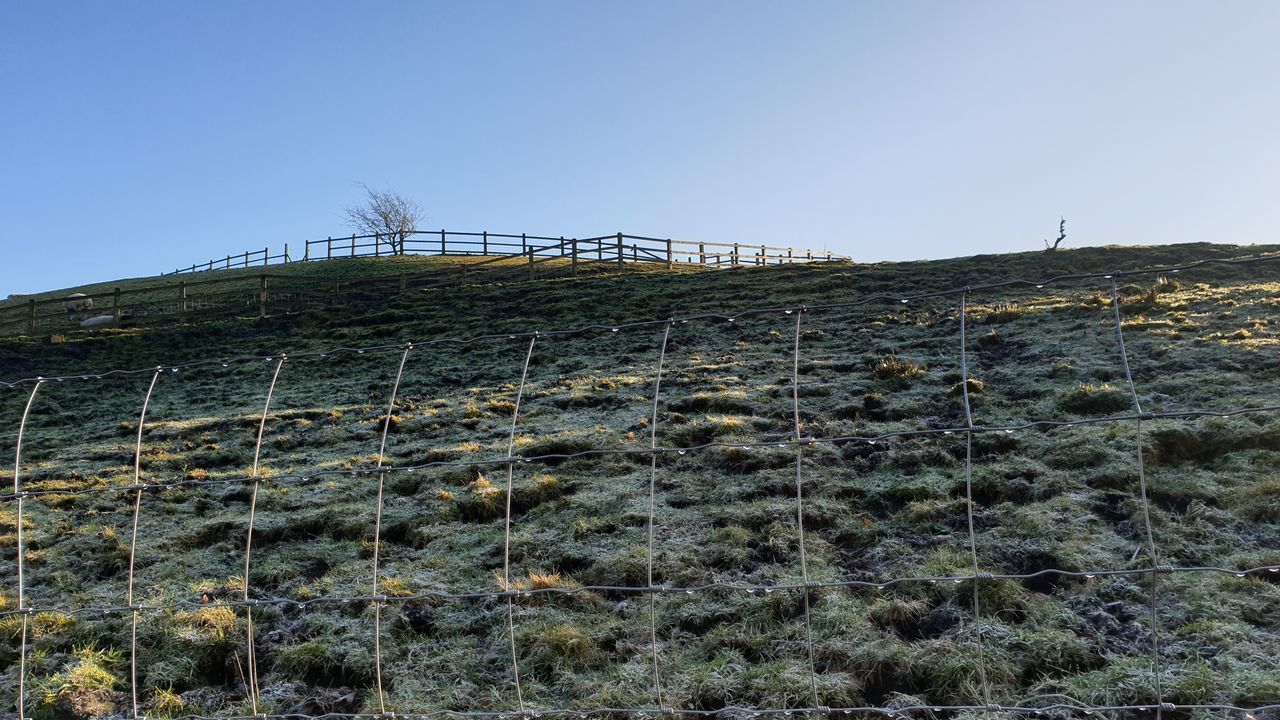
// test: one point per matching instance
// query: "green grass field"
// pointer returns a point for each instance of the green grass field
(1064, 498)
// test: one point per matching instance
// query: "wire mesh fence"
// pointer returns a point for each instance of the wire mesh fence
(664, 359)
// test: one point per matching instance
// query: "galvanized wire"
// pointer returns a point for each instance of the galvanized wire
(735, 711)
(1146, 504)
(781, 442)
(804, 562)
(133, 545)
(506, 529)
(642, 589)
(653, 491)
(251, 653)
(377, 534)
(869, 299)
(968, 497)
(22, 582)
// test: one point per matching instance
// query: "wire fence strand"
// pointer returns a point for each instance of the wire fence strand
(377, 534)
(250, 645)
(804, 561)
(506, 527)
(968, 501)
(1146, 504)
(653, 491)
(133, 545)
(22, 582)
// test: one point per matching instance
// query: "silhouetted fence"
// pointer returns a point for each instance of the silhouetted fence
(618, 247)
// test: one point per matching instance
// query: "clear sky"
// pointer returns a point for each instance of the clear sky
(139, 136)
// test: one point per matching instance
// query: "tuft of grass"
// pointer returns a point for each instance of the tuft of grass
(1259, 500)
(892, 367)
(552, 648)
(1088, 398)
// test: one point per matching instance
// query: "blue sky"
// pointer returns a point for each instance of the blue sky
(137, 137)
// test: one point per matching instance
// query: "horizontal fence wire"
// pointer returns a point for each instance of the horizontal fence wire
(795, 440)
(729, 317)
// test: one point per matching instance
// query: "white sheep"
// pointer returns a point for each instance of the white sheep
(77, 302)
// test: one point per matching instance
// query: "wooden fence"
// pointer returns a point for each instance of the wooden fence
(250, 294)
(619, 247)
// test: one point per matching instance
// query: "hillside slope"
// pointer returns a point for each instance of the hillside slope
(724, 511)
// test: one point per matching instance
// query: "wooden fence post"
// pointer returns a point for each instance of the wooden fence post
(246, 258)
(286, 252)
(524, 244)
(486, 243)
(620, 257)
(377, 245)
(228, 262)
(735, 255)
(764, 255)
(266, 253)
(669, 260)
(353, 244)
(573, 255)
(328, 248)
(444, 250)
(262, 295)
(561, 246)
(702, 253)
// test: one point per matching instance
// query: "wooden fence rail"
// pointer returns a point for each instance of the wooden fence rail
(619, 246)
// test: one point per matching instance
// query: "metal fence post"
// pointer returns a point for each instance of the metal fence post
(444, 250)
(486, 243)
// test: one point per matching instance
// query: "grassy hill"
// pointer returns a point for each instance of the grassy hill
(724, 515)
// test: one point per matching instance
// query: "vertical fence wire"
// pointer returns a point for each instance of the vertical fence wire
(22, 581)
(804, 562)
(1146, 505)
(506, 530)
(653, 491)
(968, 492)
(377, 536)
(133, 544)
(251, 654)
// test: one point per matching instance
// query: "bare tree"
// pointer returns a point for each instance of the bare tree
(389, 216)
(1062, 235)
